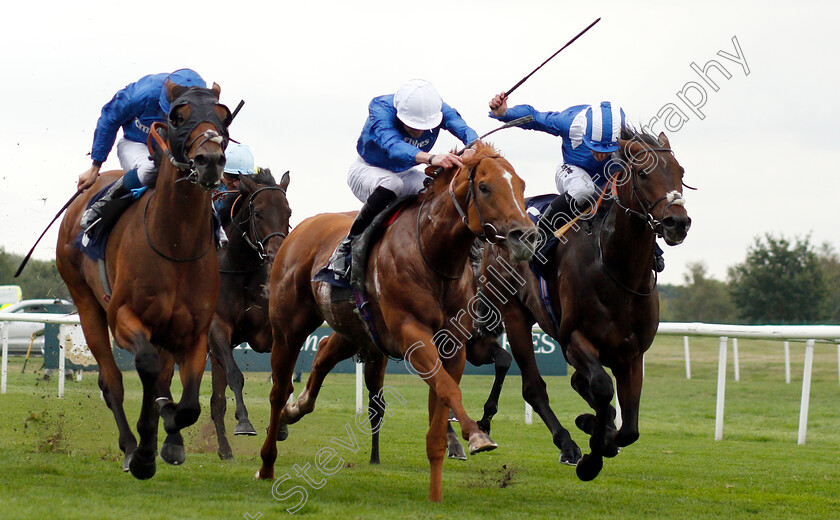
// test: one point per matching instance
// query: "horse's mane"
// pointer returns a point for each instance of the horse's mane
(482, 151)
(263, 176)
(631, 134)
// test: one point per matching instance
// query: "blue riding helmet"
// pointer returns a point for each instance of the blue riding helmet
(239, 160)
(183, 77)
(604, 123)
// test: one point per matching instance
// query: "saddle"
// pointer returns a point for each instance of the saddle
(93, 245)
(360, 251)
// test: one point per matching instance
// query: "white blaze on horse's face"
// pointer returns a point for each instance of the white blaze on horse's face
(509, 178)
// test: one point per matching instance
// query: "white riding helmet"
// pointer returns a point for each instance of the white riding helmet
(239, 159)
(419, 105)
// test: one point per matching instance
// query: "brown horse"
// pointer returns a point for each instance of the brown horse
(163, 274)
(258, 225)
(419, 286)
(604, 298)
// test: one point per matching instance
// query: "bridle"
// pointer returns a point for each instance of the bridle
(217, 136)
(672, 198)
(257, 243)
(488, 233)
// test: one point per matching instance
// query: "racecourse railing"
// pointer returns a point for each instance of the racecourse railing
(809, 333)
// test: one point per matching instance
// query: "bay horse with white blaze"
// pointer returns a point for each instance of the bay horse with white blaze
(163, 275)
(419, 285)
(602, 301)
(259, 222)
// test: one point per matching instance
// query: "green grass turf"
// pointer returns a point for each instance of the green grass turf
(59, 458)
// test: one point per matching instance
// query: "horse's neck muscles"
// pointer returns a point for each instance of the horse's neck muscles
(627, 244)
(446, 241)
(178, 219)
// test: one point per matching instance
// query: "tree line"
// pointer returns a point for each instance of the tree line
(40, 279)
(781, 281)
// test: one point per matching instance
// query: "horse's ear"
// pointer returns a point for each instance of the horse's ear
(217, 89)
(246, 185)
(284, 181)
(174, 90)
(664, 140)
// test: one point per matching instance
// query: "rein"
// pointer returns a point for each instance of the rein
(485, 235)
(192, 176)
(257, 244)
(671, 198)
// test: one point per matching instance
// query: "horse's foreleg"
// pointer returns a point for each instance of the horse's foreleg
(533, 386)
(436, 444)
(374, 378)
(191, 369)
(331, 350)
(421, 353)
(595, 386)
(283, 358)
(172, 451)
(148, 364)
(629, 385)
(484, 351)
(218, 407)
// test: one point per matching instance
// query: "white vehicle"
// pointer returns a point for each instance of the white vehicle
(9, 294)
(20, 333)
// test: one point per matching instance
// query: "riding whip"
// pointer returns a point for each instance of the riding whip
(515, 122)
(26, 258)
(521, 81)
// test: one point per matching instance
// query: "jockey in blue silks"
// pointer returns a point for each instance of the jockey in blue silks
(590, 135)
(134, 108)
(393, 149)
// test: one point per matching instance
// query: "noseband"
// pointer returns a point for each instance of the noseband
(489, 233)
(672, 198)
(257, 244)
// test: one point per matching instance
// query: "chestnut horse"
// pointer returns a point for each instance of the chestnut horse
(419, 286)
(163, 274)
(604, 299)
(259, 223)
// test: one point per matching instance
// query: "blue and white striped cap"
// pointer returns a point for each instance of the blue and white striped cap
(604, 123)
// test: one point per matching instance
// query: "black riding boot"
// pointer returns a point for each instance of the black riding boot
(557, 214)
(108, 208)
(378, 201)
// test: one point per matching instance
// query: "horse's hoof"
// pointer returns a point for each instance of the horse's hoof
(127, 462)
(283, 432)
(245, 428)
(570, 457)
(172, 452)
(260, 475)
(586, 422)
(142, 467)
(589, 467)
(454, 450)
(226, 454)
(480, 441)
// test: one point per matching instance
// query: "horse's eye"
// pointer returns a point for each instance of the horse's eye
(483, 188)
(257, 214)
(176, 118)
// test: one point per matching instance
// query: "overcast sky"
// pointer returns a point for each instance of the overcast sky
(764, 155)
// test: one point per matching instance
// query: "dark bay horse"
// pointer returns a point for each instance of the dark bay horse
(419, 286)
(163, 273)
(259, 222)
(604, 299)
